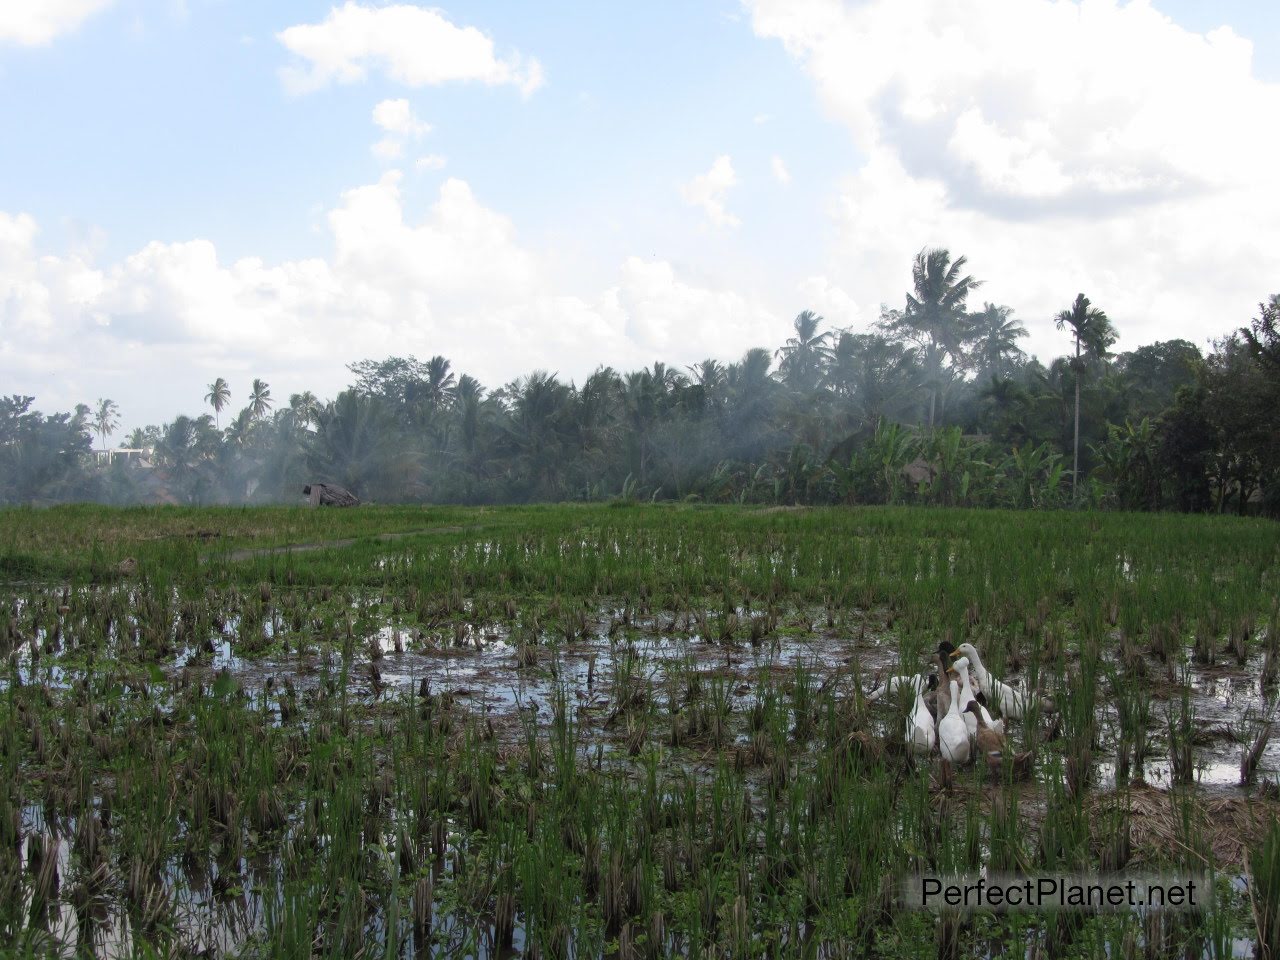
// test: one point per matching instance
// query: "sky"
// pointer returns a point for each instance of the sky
(200, 188)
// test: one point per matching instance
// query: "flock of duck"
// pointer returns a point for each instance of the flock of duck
(950, 718)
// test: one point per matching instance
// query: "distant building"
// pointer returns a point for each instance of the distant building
(139, 456)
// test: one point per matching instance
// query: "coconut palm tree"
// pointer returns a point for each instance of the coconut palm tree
(218, 397)
(803, 356)
(105, 420)
(935, 318)
(1094, 336)
(995, 334)
(354, 443)
(708, 374)
(259, 399)
(305, 406)
(240, 427)
(871, 375)
(466, 401)
(439, 388)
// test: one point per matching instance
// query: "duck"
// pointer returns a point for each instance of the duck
(961, 669)
(945, 650)
(916, 682)
(988, 739)
(980, 699)
(992, 747)
(1012, 701)
(922, 736)
(953, 734)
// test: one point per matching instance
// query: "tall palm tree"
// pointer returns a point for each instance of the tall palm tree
(354, 443)
(439, 388)
(240, 427)
(218, 397)
(708, 374)
(259, 399)
(105, 420)
(466, 401)
(995, 334)
(872, 375)
(1094, 336)
(934, 318)
(305, 406)
(802, 357)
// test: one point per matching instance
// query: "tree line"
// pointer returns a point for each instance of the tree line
(936, 404)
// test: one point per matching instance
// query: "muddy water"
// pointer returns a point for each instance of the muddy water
(483, 664)
(479, 662)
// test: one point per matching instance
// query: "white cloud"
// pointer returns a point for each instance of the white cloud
(36, 22)
(670, 316)
(430, 161)
(415, 46)
(780, 171)
(822, 296)
(707, 190)
(1062, 146)
(400, 124)
(150, 329)
(397, 116)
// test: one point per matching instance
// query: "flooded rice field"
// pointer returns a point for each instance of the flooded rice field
(411, 748)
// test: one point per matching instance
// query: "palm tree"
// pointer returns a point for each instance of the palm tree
(218, 397)
(466, 401)
(995, 334)
(239, 428)
(305, 406)
(259, 399)
(354, 442)
(1094, 336)
(179, 452)
(105, 420)
(439, 388)
(802, 357)
(935, 318)
(871, 374)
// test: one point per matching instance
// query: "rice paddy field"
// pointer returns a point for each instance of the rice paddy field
(620, 730)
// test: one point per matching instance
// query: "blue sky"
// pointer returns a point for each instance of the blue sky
(684, 178)
(168, 121)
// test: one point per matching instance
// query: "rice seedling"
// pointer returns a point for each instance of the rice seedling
(585, 732)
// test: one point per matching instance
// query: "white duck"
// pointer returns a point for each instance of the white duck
(916, 683)
(953, 735)
(922, 737)
(961, 667)
(1011, 701)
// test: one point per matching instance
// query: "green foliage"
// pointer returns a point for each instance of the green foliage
(938, 406)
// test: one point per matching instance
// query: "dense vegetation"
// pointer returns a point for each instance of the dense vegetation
(627, 731)
(832, 416)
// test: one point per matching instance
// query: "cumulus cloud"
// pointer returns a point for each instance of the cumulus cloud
(36, 22)
(397, 117)
(708, 190)
(822, 296)
(415, 46)
(399, 124)
(780, 171)
(1092, 146)
(151, 328)
(430, 161)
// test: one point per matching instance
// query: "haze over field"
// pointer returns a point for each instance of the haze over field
(197, 189)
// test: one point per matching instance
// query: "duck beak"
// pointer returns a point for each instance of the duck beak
(955, 654)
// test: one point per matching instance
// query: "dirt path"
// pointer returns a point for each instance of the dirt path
(249, 553)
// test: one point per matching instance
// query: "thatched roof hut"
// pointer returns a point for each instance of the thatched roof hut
(329, 495)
